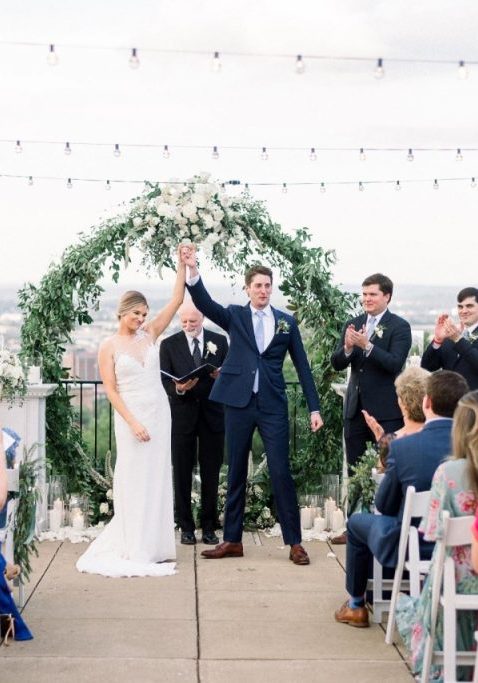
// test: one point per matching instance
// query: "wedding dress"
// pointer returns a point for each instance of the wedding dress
(140, 538)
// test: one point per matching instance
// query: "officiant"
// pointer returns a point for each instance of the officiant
(197, 433)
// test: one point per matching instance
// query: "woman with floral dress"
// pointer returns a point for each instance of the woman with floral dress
(455, 489)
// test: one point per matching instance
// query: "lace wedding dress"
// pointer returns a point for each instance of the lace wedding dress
(140, 538)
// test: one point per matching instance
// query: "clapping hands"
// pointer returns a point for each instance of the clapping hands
(446, 328)
(355, 338)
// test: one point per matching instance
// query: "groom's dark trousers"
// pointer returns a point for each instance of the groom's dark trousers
(267, 409)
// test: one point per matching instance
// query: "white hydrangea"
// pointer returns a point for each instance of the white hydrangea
(104, 508)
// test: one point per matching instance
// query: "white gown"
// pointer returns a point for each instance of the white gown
(140, 539)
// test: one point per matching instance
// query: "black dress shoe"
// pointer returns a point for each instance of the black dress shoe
(209, 538)
(188, 537)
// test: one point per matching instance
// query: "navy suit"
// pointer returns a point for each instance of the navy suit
(460, 356)
(266, 409)
(371, 385)
(412, 461)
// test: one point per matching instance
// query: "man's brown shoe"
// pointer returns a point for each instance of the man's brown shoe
(353, 616)
(339, 540)
(225, 549)
(298, 555)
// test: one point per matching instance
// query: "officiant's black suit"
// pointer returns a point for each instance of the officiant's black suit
(371, 385)
(197, 428)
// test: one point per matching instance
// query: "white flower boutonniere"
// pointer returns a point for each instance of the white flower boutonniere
(282, 326)
(472, 337)
(379, 330)
(211, 348)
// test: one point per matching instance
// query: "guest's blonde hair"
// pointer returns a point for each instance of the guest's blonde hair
(130, 300)
(410, 386)
(465, 435)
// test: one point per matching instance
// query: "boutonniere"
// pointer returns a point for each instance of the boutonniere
(472, 337)
(211, 348)
(282, 326)
(379, 330)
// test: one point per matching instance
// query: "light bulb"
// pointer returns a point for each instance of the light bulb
(322, 187)
(284, 188)
(435, 185)
(246, 187)
(215, 153)
(69, 184)
(362, 156)
(264, 155)
(166, 152)
(313, 154)
(18, 147)
(30, 180)
(410, 156)
(216, 63)
(398, 187)
(299, 65)
(117, 151)
(473, 183)
(223, 186)
(462, 70)
(108, 185)
(67, 149)
(52, 57)
(379, 70)
(134, 59)
(361, 187)
(459, 155)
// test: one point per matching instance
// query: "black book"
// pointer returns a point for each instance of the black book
(202, 371)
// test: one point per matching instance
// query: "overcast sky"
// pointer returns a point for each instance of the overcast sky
(417, 235)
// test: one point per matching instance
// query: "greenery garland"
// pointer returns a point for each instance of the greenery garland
(24, 529)
(234, 233)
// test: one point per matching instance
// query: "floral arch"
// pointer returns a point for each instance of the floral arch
(234, 233)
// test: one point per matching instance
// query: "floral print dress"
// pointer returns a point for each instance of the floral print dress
(449, 491)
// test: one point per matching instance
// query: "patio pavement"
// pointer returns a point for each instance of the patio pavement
(257, 618)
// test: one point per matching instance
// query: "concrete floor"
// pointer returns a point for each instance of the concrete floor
(252, 619)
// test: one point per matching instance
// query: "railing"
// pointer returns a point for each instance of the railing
(89, 397)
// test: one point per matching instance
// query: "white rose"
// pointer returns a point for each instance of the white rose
(104, 508)
(189, 211)
(109, 494)
(208, 221)
(137, 222)
(199, 200)
(194, 229)
(218, 215)
(165, 210)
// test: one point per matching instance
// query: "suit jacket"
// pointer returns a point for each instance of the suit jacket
(176, 358)
(235, 383)
(372, 377)
(460, 356)
(412, 461)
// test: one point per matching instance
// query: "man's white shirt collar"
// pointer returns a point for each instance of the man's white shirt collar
(199, 337)
(377, 317)
(267, 310)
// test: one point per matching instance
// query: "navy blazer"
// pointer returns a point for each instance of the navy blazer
(460, 356)
(372, 377)
(412, 461)
(236, 379)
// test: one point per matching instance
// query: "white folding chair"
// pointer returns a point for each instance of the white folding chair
(416, 505)
(456, 531)
(475, 673)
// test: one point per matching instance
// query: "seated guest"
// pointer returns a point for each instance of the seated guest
(474, 544)
(412, 461)
(7, 605)
(455, 489)
(455, 345)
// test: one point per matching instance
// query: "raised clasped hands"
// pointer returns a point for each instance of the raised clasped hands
(186, 386)
(355, 337)
(187, 254)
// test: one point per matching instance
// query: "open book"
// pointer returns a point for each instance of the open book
(202, 371)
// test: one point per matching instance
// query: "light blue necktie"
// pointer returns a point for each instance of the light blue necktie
(372, 321)
(259, 335)
(466, 333)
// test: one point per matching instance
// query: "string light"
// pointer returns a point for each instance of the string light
(284, 188)
(410, 156)
(379, 70)
(67, 149)
(52, 57)
(215, 153)
(313, 154)
(462, 70)
(166, 154)
(69, 184)
(30, 180)
(361, 187)
(362, 155)
(435, 184)
(322, 187)
(398, 187)
(216, 63)
(299, 65)
(264, 155)
(246, 186)
(117, 151)
(459, 155)
(108, 185)
(134, 59)
(18, 147)
(473, 183)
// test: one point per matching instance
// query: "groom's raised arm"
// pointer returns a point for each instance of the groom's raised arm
(208, 307)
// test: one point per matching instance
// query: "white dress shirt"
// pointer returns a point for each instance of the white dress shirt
(200, 337)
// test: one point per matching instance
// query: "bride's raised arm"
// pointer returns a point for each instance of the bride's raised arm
(160, 322)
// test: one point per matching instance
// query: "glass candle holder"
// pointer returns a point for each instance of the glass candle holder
(78, 511)
(56, 502)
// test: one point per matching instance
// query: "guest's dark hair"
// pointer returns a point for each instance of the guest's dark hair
(465, 435)
(257, 270)
(444, 389)
(384, 283)
(467, 292)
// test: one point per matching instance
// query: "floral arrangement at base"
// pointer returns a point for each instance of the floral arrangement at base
(13, 385)
(361, 487)
(24, 538)
(101, 504)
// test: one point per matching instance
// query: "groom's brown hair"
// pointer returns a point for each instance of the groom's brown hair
(257, 270)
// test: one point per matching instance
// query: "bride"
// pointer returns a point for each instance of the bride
(139, 540)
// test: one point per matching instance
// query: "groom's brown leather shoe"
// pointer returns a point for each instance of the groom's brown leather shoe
(353, 616)
(225, 549)
(298, 555)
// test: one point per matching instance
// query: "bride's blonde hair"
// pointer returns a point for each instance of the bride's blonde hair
(129, 300)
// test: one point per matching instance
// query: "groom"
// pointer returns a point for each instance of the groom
(251, 386)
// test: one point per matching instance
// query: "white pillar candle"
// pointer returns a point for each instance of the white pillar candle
(329, 508)
(55, 518)
(34, 374)
(78, 521)
(306, 518)
(319, 524)
(337, 520)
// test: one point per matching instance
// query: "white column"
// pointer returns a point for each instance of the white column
(28, 420)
